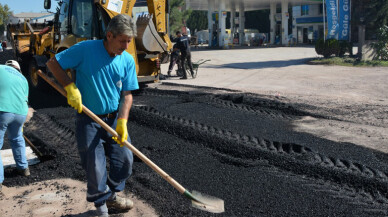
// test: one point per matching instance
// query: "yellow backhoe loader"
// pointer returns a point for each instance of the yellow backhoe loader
(35, 43)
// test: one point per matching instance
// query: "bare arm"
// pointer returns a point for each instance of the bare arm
(125, 105)
(58, 72)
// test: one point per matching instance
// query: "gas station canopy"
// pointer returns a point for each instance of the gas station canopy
(216, 24)
(249, 5)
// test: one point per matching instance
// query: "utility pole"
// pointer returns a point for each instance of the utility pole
(361, 28)
(324, 21)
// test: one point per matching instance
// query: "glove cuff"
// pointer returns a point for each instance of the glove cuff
(122, 120)
(70, 86)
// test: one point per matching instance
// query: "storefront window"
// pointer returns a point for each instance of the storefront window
(305, 10)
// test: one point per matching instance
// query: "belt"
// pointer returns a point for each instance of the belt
(110, 115)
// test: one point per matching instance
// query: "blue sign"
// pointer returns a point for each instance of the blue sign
(332, 19)
(344, 19)
(309, 20)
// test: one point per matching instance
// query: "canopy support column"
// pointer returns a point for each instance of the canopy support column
(272, 22)
(221, 23)
(241, 24)
(285, 16)
(232, 18)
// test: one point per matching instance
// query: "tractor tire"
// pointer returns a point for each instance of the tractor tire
(34, 79)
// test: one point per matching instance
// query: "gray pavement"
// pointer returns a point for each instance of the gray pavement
(357, 97)
(284, 71)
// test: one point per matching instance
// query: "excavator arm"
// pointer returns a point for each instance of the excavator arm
(152, 42)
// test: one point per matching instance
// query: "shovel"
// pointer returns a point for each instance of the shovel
(199, 200)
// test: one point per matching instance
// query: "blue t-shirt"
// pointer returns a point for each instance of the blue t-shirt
(99, 77)
(13, 91)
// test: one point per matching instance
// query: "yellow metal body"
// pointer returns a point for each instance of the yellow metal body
(147, 70)
(51, 42)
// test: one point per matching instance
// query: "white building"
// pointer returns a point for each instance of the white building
(34, 17)
(307, 23)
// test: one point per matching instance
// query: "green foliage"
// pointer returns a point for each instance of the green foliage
(374, 12)
(257, 20)
(381, 46)
(320, 46)
(178, 16)
(197, 21)
(345, 47)
(333, 47)
(4, 15)
(349, 61)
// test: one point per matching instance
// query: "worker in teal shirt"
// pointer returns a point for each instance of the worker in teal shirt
(13, 113)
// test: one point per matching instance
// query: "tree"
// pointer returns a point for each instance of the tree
(371, 13)
(253, 20)
(381, 46)
(4, 15)
(257, 20)
(197, 21)
(178, 15)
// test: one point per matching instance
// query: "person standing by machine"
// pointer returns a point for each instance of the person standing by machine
(174, 59)
(183, 45)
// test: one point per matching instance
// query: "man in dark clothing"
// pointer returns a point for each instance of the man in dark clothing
(184, 46)
(174, 58)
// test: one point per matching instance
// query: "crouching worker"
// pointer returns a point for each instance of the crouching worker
(175, 55)
(13, 113)
(105, 77)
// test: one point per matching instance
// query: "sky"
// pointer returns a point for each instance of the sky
(35, 6)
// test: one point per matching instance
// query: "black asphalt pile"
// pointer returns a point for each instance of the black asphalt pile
(240, 148)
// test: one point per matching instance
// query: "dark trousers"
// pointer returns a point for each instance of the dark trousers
(94, 143)
(186, 57)
(173, 61)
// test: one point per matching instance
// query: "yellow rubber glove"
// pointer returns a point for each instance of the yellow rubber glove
(74, 97)
(121, 129)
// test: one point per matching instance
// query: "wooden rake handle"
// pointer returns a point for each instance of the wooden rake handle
(89, 113)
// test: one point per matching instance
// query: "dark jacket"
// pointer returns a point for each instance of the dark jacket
(183, 44)
(175, 50)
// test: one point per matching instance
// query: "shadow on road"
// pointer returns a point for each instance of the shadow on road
(261, 65)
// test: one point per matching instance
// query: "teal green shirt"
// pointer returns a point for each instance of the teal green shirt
(13, 91)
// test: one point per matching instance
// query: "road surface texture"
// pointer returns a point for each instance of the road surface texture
(259, 128)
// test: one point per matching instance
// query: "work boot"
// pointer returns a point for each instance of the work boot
(102, 211)
(169, 73)
(119, 203)
(183, 78)
(23, 172)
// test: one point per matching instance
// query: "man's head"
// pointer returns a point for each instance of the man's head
(14, 64)
(178, 33)
(119, 33)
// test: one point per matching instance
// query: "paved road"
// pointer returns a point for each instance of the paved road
(283, 71)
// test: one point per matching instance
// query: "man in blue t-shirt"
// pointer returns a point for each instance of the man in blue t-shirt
(105, 77)
(13, 112)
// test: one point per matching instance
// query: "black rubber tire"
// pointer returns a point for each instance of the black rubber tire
(35, 81)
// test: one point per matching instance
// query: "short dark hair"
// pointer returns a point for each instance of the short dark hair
(178, 32)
